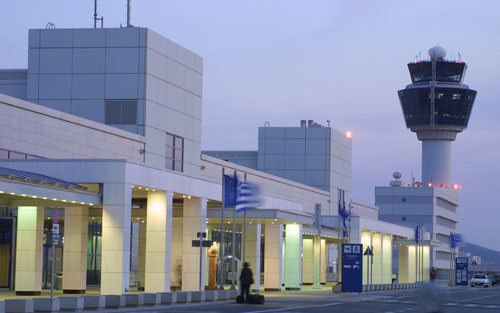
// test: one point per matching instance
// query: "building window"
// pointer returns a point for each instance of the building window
(174, 156)
(403, 218)
(403, 199)
(7, 154)
(121, 112)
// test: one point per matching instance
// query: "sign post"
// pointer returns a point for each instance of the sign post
(462, 271)
(202, 244)
(352, 268)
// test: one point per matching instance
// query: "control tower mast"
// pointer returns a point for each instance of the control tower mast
(437, 106)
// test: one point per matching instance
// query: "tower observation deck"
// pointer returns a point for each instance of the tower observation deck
(437, 106)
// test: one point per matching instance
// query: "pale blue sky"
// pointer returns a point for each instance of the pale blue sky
(343, 61)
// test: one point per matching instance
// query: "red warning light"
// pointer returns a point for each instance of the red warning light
(348, 134)
(455, 186)
(430, 185)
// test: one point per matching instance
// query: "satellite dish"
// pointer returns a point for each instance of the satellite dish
(396, 175)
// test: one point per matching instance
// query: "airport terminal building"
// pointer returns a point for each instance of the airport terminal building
(102, 135)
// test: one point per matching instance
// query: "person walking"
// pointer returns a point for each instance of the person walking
(432, 274)
(246, 280)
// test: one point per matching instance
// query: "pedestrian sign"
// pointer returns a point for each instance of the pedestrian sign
(462, 271)
(352, 268)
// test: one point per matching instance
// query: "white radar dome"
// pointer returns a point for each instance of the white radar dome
(396, 175)
(437, 52)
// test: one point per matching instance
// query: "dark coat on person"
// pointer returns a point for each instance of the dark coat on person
(246, 277)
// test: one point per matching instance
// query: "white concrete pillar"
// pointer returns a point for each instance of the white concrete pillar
(427, 267)
(366, 240)
(29, 250)
(158, 241)
(317, 251)
(194, 221)
(323, 261)
(253, 243)
(176, 263)
(406, 260)
(116, 221)
(387, 259)
(307, 261)
(273, 256)
(293, 259)
(377, 258)
(76, 224)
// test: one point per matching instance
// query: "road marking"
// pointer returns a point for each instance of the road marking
(472, 305)
(304, 307)
(492, 306)
(471, 299)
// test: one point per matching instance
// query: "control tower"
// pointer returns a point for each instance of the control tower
(437, 106)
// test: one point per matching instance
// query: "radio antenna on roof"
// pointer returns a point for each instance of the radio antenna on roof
(97, 18)
(128, 13)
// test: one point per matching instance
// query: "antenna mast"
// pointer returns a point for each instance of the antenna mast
(97, 18)
(128, 13)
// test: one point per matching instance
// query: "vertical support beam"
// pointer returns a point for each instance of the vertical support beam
(387, 259)
(176, 263)
(412, 251)
(116, 221)
(307, 261)
(76, 224)
(404, 265)
(427, 266)
(29, 250)
(377, 258)
(194, 221)
(273, 257)
(158, 242)
(366, 240)
(317, 262)
(323, 261)
(253, 243)
(141, 255)
(293, 260)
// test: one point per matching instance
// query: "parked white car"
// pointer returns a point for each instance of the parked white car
(480, 280)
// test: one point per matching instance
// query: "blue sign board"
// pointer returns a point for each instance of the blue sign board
(462, 271)
(352, 268)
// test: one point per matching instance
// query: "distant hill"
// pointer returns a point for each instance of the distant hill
(488, 256)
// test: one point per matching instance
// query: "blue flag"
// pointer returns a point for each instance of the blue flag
(248, 196)
(417, 234)
(230, 190)
(455, 240)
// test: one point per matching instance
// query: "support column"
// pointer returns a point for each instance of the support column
(427, 267)
(377, 258)
(176, 263)
(293, 253)
(158, 241)
(366, 240)
(29, 250)
(307, 261)
(387, 259)
(406, 272)
(317, 262)
(76, 224)
(194, 220)
(141, 255)
(253, 244)
(323, 262)
(273, 257)
(116, 221)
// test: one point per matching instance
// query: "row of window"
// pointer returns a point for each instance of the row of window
(9, 154)
(445, 71)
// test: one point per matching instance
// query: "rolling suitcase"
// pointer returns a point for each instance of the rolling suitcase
(239, 299)
(255, 299)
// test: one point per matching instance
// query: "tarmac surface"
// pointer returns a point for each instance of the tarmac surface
(442, 299)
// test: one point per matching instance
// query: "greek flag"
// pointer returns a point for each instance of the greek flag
(248, 196)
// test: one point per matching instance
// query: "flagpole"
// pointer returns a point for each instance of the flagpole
(233, 250)
(244, 230)
(221, 252)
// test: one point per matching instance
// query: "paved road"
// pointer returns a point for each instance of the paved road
(458, 299)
